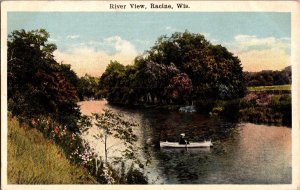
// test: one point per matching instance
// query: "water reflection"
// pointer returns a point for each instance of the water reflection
(242, 153)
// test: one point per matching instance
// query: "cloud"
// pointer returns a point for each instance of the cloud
(93, 57)
(209, 37)
(72, 36)
(171, 29)
(121, 46)
(258, 54)
(53, 40)
(168, 28)
(247, 41)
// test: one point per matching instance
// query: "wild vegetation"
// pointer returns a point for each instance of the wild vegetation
(43, 95)
(37, 84)
(268, 99)
(184, 69)
(33, 159)
(261, 108)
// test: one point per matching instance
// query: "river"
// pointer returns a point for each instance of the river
(243, 153)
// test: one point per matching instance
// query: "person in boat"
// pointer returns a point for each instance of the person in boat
(183, 139)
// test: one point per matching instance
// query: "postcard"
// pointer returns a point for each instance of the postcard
(150, 94)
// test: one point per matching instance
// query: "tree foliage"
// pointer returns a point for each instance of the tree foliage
(176, 70)
(88, 87)
(37, 84)
(180, 87)
(269, 78)
(112, 124)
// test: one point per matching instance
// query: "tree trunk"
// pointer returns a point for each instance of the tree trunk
(96, 159)
(105, 147)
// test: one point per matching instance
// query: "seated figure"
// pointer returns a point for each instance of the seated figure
(183, 140)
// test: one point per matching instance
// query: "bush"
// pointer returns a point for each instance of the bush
(260, 115)
(231, 110)
(204, 106)
(284, 106)
(134, 176)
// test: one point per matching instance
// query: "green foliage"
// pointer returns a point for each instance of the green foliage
(277, 110)
(204, 106)
(208, 66)
(260, 115)
(43, 95)
(114, 125)
(37, 84)
(286, 87)
(32, 159)
(284, 106)
(231, 110)
(110, 77)
(176, 70)
(269, 78)
(134, 176)
(88, 87)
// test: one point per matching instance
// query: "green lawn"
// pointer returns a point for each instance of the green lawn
(264, 88)
(32, 159)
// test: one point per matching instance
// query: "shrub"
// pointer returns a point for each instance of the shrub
(231, 110)
(204, 106)
(134, 176)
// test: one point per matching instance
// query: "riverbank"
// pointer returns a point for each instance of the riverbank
(41, 151)
(260, 107)
(257, 107)
(32, 159)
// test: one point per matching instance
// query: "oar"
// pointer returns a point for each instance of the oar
(186, 144)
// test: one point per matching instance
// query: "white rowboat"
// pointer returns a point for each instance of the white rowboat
(190, 145)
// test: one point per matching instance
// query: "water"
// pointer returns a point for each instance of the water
(243, 153)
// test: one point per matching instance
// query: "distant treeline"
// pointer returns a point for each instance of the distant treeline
(89, 87)
(268, 77)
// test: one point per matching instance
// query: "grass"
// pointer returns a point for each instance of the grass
(265, 88)
(32, 159)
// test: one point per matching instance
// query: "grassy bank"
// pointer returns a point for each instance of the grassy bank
(286, 87)
(255, 107)
(32, 159)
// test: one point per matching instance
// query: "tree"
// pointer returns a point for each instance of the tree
(110, 78)
(114, 125)
(37, 84)
(88, 87)
(207, 65)
(206, 71)
(267, 78)
(180, 88)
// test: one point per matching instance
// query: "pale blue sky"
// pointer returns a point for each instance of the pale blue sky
(115, 32)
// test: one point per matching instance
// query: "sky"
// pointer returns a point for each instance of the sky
(89, 40)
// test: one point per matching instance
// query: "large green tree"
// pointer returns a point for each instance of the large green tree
(88, 87)
(176, 70)
(212, 68)
(37, 84)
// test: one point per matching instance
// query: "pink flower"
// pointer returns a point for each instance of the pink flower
(56, 130)
(33, 121)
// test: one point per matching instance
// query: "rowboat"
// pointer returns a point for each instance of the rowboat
(167, 144)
